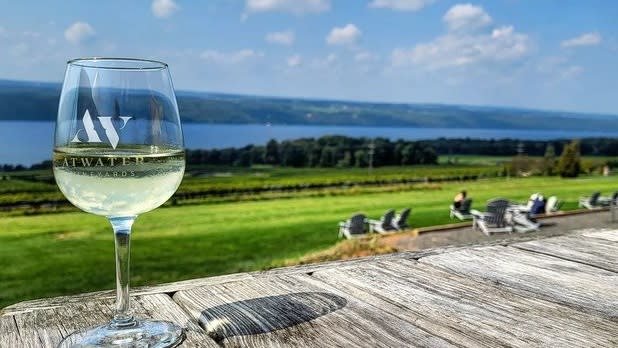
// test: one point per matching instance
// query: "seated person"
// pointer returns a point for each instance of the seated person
(459, 198)
(537, 207)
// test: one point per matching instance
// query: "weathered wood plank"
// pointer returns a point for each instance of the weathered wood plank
(293, 311)
(466, 312)
(9, 333)
(169, 288)
(591, 251)
(47, 327)
(611, 235)
(584, 287)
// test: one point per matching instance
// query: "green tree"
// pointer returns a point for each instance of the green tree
(244, 159)
(569, 165)
(429, 156)
(271, 156)
(346, 161)
(327, 158)
(313, 154)
(360, 158)
(407, 154)
(548, 165)
(522, 165)
(292, 155)
(257, 155)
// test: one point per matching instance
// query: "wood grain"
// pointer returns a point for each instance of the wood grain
(596, 252)
(466, 312)
(9, 333)
(580, 286)
(611, 235)
(47, 327)
(294, 311)
(169, 288)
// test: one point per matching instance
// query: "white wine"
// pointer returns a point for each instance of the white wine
(121, 182)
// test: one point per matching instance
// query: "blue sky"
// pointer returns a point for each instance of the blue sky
(545, 54)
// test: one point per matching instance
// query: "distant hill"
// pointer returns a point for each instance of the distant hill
(37, 101)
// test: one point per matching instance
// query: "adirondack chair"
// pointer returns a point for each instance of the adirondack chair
(493, 220)
(553, 205)
(463, 212)
(607, 201)
(385, 224)
(591, 202)
(521, 222)
(354, 227)
(401, 221)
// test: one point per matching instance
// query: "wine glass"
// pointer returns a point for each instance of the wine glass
(118, 152)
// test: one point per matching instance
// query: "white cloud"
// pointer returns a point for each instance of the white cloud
(466, 42)
(163, 8)
(401, 5)
(451, 50)
(587, 39)
(79, 32)
(297, 7)
(347, 35)
(281, 37)
(364, 56)
(294, 61)
(466, 17)
(234, 57)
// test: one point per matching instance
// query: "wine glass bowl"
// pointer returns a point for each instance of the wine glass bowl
(118, 152)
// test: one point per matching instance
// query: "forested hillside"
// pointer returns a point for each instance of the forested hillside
(38, 101)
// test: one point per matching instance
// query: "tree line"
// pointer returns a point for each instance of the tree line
(512, 147)
(342, 151)
(326, 151)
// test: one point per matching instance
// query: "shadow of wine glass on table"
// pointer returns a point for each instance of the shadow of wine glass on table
(267, 314)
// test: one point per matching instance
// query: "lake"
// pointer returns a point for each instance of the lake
(31, 142)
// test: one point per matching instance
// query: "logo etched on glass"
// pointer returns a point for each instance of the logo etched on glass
(106, 122)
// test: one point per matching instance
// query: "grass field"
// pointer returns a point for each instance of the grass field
(55, 254)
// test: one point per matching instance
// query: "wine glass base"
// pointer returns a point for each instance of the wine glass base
(150, 334)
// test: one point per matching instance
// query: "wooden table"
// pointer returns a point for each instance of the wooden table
(554, 292)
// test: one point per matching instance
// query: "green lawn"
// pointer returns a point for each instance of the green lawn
(55, 254)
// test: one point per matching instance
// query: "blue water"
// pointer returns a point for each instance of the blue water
(31, 142)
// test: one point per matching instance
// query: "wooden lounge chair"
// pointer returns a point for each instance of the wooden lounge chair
(591, 202)
(553, 205)
(493, 220)
(463, 212)
(522, 223)
(354, 227)
(385, 224)
(608, 201)
(401, 221)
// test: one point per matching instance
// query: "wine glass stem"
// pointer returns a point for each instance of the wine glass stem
(122, 236)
